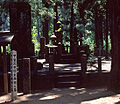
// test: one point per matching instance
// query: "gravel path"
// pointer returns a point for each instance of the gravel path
(69, 96)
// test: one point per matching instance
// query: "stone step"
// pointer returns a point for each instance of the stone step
(69, 73)
(67, 78)
(67, 84)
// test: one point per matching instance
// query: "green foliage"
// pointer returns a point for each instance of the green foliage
(8, 48)
(34, 39)
(51, 29)
(89, 40)
(43, 10)
(109, 44)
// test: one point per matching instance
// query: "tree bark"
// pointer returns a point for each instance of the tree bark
(56, 19)
(115, 38)
(96, 28)
(106, 31)
(45, 30)
(71, 30)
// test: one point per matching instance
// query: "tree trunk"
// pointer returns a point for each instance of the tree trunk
(45, 30)
(96, 28)
(56, 19)
(106, 31)
(115, 38)
(71, 30)
(100, 34)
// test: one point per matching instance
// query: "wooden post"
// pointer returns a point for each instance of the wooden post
(26, 76)
(42, 47)
(84, 63)
(51, 62)
(20, 75)
(33, 63)
(5, 75)
(99, 64)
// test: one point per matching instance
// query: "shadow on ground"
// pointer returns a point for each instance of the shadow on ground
(70, 95)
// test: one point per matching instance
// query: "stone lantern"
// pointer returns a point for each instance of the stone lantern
(51, 52)
(53, 39)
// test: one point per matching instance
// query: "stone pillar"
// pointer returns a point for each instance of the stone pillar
(13, 77)
(51, 70)
(51, 49)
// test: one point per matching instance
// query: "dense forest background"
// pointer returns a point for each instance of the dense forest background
(79, 15)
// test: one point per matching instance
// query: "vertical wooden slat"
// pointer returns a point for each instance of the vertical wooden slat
(99, 64)
(84, 64)
(5, 75)
(51, 62)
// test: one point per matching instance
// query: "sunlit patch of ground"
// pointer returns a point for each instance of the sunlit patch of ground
(91, 66)
(70, 95)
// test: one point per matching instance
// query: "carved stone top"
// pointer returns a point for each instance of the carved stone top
(53, 37)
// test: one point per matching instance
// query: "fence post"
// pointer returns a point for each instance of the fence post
(5, 75)
(13, 77)
(42, 47)
(84, 64)
(26, 76)
(51, 62)
(99, 64)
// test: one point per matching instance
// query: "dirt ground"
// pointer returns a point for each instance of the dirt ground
(70, 95)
